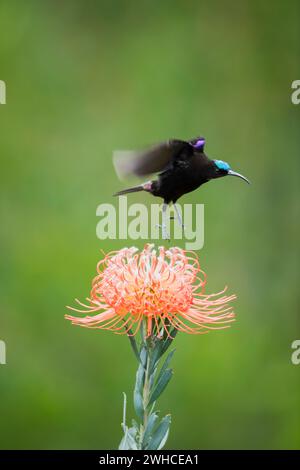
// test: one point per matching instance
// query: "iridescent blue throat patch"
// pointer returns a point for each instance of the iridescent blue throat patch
(222, 165)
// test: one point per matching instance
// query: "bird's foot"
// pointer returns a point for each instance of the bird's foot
(165, 234)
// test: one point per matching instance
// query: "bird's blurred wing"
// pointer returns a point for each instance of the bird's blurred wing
(152, 160)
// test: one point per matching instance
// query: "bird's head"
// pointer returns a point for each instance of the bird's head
(221, 168)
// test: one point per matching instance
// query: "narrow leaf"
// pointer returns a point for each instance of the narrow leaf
(143, 357)
(128, 441)
(164, 440)
(135, 424)
(137, 395)
(140, 377)
(149, 428)
(138, 404)
(156, 355)
(152, 379)
(161, 385)
(165, 365)
(133, 345)
(123, 444)
(160, 436)
(169, 339)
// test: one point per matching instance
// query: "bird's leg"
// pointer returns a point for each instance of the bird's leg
(178, 214)
(165, 234)
(163, 226)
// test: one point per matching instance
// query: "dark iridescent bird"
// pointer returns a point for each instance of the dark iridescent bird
(182, 167)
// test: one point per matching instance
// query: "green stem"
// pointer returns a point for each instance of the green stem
(152, 377)
(146, 392)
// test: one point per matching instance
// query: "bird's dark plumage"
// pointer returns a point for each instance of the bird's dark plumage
(182, 167)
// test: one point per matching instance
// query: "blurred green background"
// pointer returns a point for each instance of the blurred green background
(84, 78)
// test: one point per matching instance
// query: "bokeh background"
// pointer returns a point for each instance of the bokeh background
(84, 78)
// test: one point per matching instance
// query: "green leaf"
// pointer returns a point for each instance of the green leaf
(123, 444)
(161, 385)
(149, 428)
(133, 345)
(132, 432)
(152, 379)
(143, 357)
(165, 365)
(140, 375)
(135, 424)
(169, 339)
(164, 440)
(138, 404)
(161, 434)
(128, 441)
(161, 346)
(138, 391)
(156, 355)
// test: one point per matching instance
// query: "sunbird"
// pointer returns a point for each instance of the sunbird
(182, 167)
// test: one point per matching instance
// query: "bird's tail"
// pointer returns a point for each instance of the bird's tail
(134, 189)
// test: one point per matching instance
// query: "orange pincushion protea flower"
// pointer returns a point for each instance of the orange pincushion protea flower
(165, 287)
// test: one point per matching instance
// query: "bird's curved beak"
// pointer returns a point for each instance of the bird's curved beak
(234, 173)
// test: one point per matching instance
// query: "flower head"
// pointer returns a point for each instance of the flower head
(164, 287)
